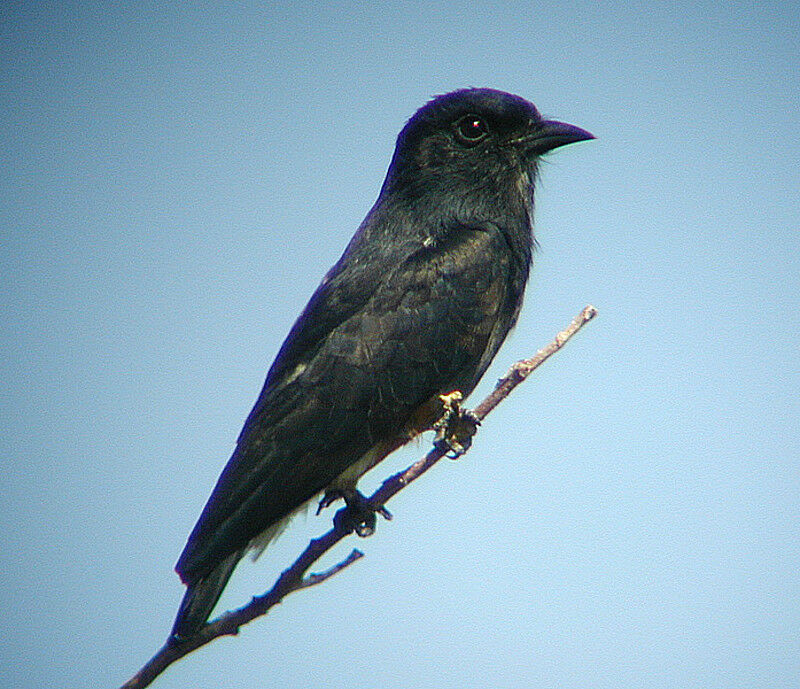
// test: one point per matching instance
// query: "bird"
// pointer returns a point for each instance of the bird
(416, 307)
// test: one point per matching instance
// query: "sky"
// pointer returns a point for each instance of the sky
(175, 183)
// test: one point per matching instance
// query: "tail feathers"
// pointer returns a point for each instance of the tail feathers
(201, 597)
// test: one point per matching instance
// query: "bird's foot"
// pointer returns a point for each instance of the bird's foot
(455, 428)
(330, 496)
(357, 514)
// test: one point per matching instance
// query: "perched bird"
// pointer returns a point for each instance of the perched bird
(417, 306)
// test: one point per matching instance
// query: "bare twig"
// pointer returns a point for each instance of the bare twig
(522, 369)
(294, 578)
(314, 579)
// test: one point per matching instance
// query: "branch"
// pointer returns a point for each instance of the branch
(294, 578)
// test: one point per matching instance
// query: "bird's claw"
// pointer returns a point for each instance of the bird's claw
(357, 515)
(328, 499)
(348, 521)
(456, 427)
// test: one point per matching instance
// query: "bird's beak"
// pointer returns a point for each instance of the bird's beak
(550, 134)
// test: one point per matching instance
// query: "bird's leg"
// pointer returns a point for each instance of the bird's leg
(330, 496)
(357, 515)
(455, 428)
(333, 494)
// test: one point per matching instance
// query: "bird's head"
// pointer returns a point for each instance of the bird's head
(475, 142)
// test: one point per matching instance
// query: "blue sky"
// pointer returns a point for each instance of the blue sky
(175, 184)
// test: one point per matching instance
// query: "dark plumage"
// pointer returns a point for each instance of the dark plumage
(417, 306)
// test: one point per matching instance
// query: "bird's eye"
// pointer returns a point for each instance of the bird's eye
(470, 129)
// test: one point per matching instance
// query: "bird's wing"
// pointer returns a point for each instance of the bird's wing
(429, 324)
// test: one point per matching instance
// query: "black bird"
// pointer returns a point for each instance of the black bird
(417, 306)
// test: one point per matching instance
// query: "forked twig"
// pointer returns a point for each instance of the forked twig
(294, 578)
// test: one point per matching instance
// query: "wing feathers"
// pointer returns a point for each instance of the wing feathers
(347, 378)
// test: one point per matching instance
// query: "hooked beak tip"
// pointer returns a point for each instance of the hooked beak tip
(551, 134)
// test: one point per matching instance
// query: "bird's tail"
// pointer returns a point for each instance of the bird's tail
(201, 597)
